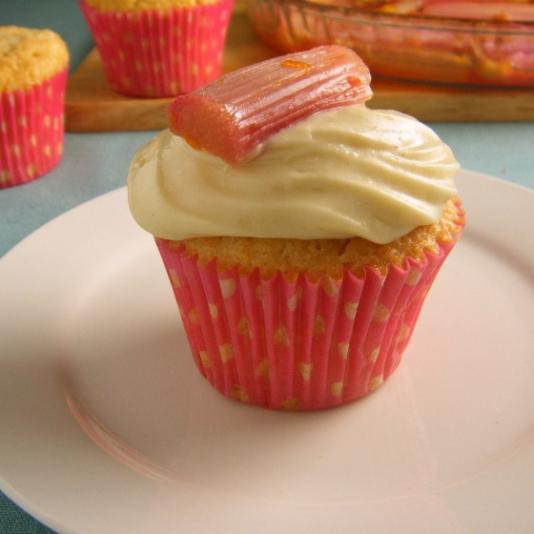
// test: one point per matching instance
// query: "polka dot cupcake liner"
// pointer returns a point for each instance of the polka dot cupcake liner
(31, 130)
(302, 344)
(155, 53)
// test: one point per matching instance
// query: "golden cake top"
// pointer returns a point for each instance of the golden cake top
(140, 5)
(29, 56)
(325, 257)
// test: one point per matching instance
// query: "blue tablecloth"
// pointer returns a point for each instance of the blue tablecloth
(96, 163)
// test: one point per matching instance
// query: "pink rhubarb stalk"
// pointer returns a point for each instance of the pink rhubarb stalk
(234, 115)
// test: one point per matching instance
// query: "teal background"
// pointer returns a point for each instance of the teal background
(97, 163)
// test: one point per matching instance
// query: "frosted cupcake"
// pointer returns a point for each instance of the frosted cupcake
(33, 74)
(158, 48)
(300, 244)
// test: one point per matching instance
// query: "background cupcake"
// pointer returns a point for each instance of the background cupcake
(157, 48)
(33, 75)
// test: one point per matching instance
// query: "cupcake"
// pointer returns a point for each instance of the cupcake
(300, 230)
(158, 48)
(33, 75)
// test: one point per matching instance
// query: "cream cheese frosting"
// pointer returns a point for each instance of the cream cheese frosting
(342, 173)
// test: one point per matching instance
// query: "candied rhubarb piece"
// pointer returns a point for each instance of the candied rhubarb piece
(232, 116)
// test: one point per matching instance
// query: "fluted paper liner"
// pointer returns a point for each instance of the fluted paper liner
(302, 344)
(157, 53)
(31, 130)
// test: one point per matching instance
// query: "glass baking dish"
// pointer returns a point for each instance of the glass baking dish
(415, 47)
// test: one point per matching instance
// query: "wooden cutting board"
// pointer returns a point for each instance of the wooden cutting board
(91, 106)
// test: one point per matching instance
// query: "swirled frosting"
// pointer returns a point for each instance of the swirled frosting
(342, 173)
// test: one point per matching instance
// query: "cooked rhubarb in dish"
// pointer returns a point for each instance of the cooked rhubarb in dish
(473, 42)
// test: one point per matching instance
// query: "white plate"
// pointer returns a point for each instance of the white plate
(107, 426)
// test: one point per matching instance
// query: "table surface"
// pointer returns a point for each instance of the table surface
(94, 164)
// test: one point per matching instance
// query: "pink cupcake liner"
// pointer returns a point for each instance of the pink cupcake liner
(31, 130)
(302, 344)
(157, 53)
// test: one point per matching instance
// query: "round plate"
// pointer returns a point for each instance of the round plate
(108, 427)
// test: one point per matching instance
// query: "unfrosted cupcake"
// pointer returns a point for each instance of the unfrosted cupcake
(33, 74)
(157, 48)
(301, 268)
